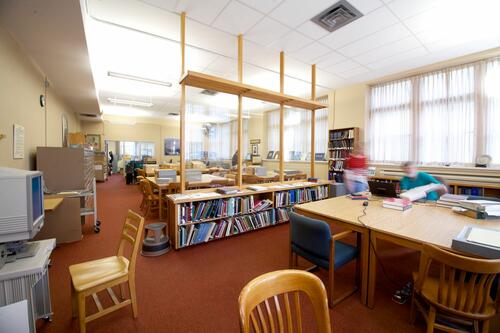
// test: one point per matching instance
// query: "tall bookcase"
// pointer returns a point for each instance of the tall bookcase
(206, 216)
(340, 144)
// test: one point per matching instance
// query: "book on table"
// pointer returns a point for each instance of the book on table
(397, 204)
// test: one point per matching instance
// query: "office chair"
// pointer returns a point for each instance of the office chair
(312, 240)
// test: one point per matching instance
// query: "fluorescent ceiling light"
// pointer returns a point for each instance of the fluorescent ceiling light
(130, 102)
(139, 78)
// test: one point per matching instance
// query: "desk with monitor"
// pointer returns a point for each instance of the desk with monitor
(424, 223)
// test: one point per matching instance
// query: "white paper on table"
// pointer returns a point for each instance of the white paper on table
(484, 236)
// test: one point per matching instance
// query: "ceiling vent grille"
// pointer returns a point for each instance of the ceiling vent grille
(209, 92)
(173, 114)
(336, 16)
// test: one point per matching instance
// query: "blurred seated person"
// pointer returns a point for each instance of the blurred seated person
(414, 178)
(355, 171)
(234, 160)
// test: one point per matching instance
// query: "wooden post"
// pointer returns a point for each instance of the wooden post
(282, 117)
(313, 117)
(182, 111)
(239, 177)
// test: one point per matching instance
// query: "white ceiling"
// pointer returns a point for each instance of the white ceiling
(141, 37)
(51, 32)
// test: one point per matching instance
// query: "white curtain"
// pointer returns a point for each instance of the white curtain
(321, 130)
(446, 117)
(137, 149)
(492, 110)
(218, 146)
(390, 121)
(273, 130)
(234, 137)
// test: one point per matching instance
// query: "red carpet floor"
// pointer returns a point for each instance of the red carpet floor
(196, 289)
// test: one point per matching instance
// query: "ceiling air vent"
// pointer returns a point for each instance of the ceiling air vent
(173, 114)
(336, 16)
(209, 92)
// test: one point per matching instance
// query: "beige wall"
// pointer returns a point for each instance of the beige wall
(21, 84)
(349, 108)
(150, 130)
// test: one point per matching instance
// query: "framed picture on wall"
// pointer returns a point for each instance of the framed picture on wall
(64, 131)
(93, 140)
(171, 146)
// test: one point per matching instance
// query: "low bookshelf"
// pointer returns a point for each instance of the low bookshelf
(205, 215)
(340, 144)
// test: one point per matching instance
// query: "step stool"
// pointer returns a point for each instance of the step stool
(156, 242)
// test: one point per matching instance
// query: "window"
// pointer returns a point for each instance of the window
(137, 150)
(297, 134)
(390, 124)
(446, 118)
(492, 110)
(441, 118)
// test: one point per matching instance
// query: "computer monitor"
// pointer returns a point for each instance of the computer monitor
(21, 204)
(383, 189)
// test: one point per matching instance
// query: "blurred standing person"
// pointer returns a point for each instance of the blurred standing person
(355, 170)
(110, 164)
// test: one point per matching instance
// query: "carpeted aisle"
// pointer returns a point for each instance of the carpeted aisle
(196, 289)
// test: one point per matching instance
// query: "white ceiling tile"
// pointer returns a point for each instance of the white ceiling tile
(298, 69)
(310, 52)
(264, 6)
(266, 31)
(210, 39)
(312, 30)
(237, 18)
(366, 6)
(164, 4)
(329, 59)
(260, 56)
(327, 79)
(408, 8)
(291, 42)
(403, 56)
(202, 11)
(382, 37)
(295, 12)
(353, 72)
(342, 67)
(366, 25)
(388, 50)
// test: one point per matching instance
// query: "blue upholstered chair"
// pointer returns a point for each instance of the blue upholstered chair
(312, 240)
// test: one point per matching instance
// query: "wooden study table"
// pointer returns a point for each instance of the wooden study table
(424, 223)
(206, 180)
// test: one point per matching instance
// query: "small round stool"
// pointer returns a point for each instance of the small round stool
(155, 242)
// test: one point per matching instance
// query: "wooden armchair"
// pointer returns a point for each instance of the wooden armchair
(279, 288)
(459, 300)
(91, 277)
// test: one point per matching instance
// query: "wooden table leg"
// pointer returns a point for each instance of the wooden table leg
(160, 203)
(365, 253)
(372, 271)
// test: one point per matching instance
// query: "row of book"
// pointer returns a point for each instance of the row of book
(471, 191)
(334, 165)
(220, 208)
(346, 134)
(339, 153)
(344, 143)
(301, 195)
(204, 232)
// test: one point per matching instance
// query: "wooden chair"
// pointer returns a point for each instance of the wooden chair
(269, 288)
(460, 298)
(141, 189)
(152, 199)
(312, 240)
(91, 277)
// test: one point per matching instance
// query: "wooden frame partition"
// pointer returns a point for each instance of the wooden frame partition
(199, 80)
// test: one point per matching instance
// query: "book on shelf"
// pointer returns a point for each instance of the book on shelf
(256, 188)
(204, 232)
(301, 195)
(227, 190)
